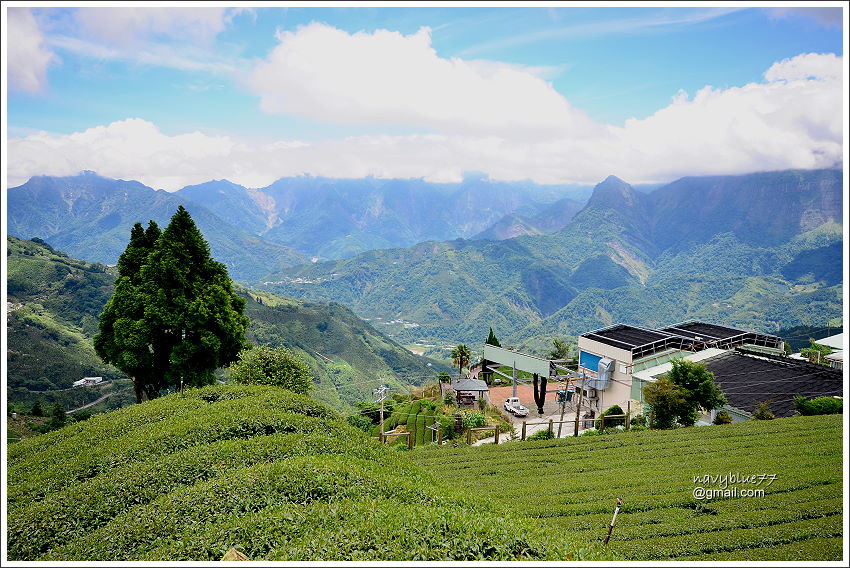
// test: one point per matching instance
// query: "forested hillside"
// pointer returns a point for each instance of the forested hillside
(56, 302)
(627, 256)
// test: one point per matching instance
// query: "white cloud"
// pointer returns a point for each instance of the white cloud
(792, 120)
(385, 77)
(127, 26)
(806, 66)
(28, 58)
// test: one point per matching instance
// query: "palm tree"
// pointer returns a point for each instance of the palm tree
(460, 357)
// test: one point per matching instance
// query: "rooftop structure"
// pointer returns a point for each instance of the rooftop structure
(639, 341)
(748, 378)
(724, 337)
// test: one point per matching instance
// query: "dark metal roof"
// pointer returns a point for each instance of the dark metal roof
(639, 340)
(722, 336)
(704, 330)
(748, 380)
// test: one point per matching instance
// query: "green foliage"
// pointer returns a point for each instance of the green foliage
(460, 357)
(763, 412)
(359, 422)
(819, 405)
(473, 419)
(611, 422)
(576, 480)
(541, 435)
(275, 366)
(270, 472)
(816, 353)
(449, 399)
(698, 388)
(492, 339)
(444, 377)
(560, 349)
(722, 417)
(668, 400)
(37, 409)
(173, 318)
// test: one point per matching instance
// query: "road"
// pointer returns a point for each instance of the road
(101, 399)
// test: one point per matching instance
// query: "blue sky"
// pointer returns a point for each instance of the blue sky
(551, 93)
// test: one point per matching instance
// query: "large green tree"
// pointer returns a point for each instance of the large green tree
(681, 393)
(173, 318)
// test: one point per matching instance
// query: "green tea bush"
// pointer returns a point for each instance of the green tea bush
(261, 469)
(819, 405)
(541, 435)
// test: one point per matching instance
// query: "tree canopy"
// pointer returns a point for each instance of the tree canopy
(492, 339)
(173, 318)
(691, 388)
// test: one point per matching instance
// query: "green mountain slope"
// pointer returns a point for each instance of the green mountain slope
(610, 263)
(577, 480)
(57, 301)
(260, 469)
(349, 358)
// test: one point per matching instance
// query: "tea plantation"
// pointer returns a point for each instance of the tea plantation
(568, 488)
(274, 474)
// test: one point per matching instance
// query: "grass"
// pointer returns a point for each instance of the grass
(568, 487)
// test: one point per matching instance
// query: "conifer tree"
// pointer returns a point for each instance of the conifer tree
(174, 317)
(492, 340)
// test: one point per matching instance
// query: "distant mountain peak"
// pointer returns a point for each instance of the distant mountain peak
(613, 193)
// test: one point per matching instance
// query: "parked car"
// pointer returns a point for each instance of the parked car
(513, 406)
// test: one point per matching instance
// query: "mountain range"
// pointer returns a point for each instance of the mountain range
(290, 222)
(761, 251)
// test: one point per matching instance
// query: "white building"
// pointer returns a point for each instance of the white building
(86, 381)
(610, 357)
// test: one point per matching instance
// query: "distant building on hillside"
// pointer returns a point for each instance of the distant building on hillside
(86, 381)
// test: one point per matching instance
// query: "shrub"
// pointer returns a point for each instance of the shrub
(541, 435)
(819, 405)
(359, 422)
(449, 399)
(274, 366)
(722, 417)
(473, 420)
(613, 410)
(763, 412)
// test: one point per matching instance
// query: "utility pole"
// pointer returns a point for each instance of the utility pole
(514, 379)
(562, 399)
(578, 404)
(381, 394)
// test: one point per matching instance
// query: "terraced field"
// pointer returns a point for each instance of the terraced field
(274, 474)
(568, 487)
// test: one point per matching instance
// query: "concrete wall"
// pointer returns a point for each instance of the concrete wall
(619, 388)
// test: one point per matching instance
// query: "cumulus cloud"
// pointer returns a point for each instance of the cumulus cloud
(28, 57)
(806, 66)
(791, 120)
(385, 77)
